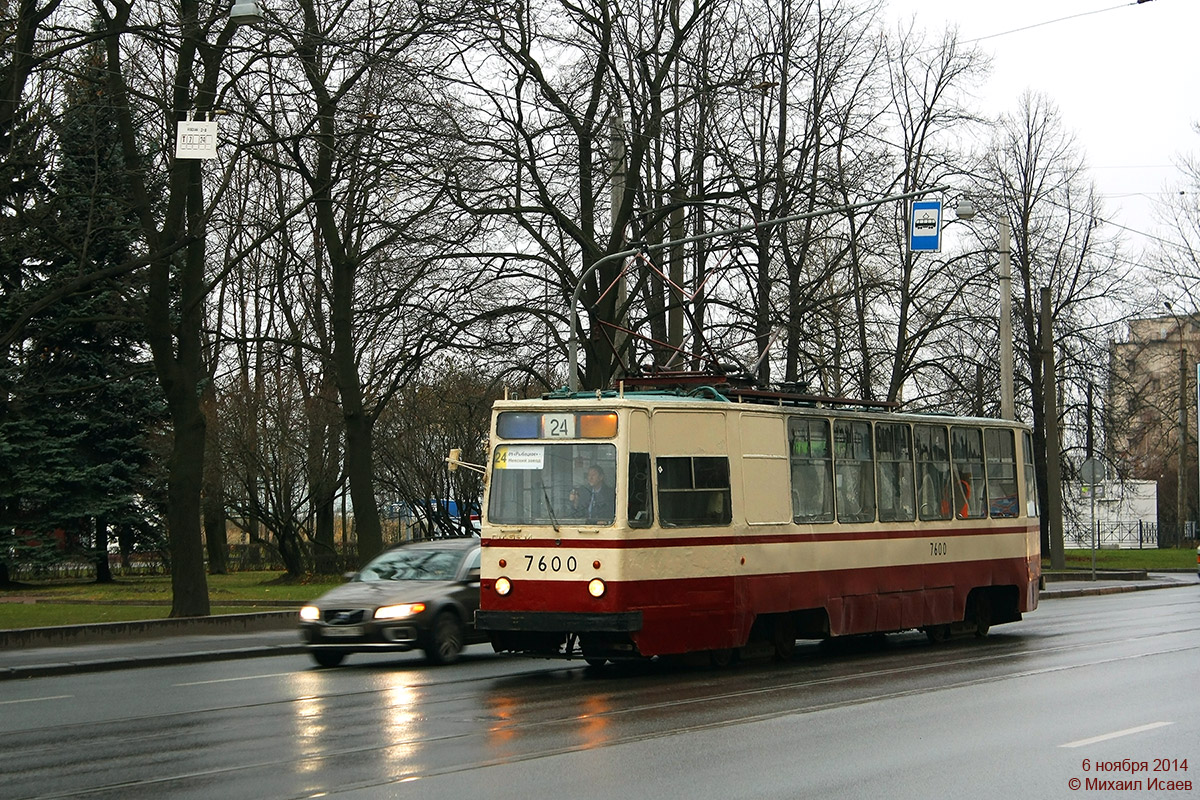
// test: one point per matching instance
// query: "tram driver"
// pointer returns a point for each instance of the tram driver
(596, 502)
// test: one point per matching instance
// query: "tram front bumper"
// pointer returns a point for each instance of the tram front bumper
(558, 621)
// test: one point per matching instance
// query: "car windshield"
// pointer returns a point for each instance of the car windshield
(413, 565)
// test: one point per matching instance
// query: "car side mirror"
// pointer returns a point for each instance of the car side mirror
(350, 575)
(473, 575)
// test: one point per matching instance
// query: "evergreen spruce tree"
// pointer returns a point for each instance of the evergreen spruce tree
(83, 398)
(22, 189)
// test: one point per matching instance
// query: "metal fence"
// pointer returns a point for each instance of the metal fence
(1134, 535)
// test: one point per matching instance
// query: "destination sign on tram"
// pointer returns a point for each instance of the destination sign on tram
(556, 425)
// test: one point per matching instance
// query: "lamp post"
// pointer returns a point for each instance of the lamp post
(645, 249)
(965, 211)
(1180, 499)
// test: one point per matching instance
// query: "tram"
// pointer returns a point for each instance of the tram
(663, 519)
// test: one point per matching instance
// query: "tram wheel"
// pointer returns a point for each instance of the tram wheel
(982, 615)
(595, 661)
(937, 634)
(783, 638)
(721, 658)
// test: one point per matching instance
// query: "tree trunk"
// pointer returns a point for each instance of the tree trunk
(291, 552)
(189, 585)
(215, 537)
(325, 557)
(179, 363)
(103, 572)
(213, 491)
(359, 471)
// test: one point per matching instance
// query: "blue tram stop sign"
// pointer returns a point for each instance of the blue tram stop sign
(925, 233)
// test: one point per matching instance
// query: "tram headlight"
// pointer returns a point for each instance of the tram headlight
(596, 587)
(502, 586)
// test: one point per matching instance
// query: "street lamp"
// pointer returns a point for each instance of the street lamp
(1180, 500)
(245, 12)
(965, 211)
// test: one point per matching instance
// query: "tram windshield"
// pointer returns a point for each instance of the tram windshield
(553, 484)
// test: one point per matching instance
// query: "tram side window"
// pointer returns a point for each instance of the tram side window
(1001, 473)
(640, 505)
(894, 464)
(854, 470)
(933, 471)
(1031, 492)
(694, 490)
(812, 470)
(970, 485)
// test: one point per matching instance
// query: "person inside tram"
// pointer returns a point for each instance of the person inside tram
(595, 502)
(963, 492)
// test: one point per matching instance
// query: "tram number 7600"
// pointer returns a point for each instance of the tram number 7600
(551, 564)
(937, 548)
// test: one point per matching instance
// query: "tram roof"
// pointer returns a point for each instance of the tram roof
(708, 395)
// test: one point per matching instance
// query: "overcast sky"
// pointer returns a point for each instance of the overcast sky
(1125, 77)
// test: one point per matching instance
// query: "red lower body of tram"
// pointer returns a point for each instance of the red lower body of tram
(719, 594)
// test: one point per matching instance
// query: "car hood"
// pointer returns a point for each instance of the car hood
(378, 593)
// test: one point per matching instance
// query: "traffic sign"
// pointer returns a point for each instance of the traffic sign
(925, 235)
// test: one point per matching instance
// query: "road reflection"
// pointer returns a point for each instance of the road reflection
(310, 718)
(400, 723)
(515, 720)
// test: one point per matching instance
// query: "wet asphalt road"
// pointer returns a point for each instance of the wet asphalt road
(1087, 679)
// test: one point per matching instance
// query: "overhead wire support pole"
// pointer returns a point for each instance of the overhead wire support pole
(1007, 404)
(644, 249)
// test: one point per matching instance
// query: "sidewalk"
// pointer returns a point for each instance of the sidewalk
(144, 647)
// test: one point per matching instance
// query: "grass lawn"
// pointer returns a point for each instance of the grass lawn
(46, 615)
(257, 586)
(78, 602)
(1149, 559)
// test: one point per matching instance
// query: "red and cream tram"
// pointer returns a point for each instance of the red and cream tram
(642, 523)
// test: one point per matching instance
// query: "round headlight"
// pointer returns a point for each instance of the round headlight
(596, 587)
(502, 586)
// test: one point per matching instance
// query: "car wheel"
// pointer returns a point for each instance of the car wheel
(328, 658)
(447, 644)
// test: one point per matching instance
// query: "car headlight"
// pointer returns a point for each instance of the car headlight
(400, 611)
(310, 613)
(502, 586)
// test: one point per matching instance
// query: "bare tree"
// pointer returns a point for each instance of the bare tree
(174, 231)
(364, 132)
(1058, 241)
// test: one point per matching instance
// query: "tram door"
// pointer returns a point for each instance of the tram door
(639, 474)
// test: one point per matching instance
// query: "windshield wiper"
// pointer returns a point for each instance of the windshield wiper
(549, 506)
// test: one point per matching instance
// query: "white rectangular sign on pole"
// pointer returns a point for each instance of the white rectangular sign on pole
(196, 140)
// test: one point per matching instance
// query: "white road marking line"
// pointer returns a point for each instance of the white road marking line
(230, 680)
(37, 699)
(1117, 734)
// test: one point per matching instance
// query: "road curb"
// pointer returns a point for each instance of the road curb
(168, 659)
(25, 638)
(1051, 594)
